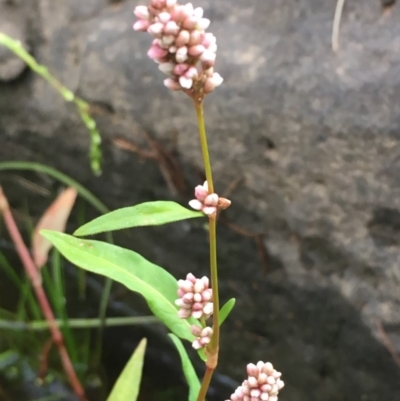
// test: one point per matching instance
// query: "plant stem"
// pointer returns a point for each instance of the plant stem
(97, 204)
(205, 384)
(204, 145)
(214, 284)
(34, 276)
(77, 323)
(212, 354)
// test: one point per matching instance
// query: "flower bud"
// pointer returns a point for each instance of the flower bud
(223, 203)
(141, 25)
(141, 12)
(186, 83)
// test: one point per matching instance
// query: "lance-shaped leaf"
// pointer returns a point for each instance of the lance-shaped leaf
(188, 369)
(128, 383)
(226, 310)
(155, 284)
(146, 214)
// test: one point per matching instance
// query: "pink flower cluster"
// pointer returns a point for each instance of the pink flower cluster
(181, 47)
(195, 297)
(206, 202)
(263, 384)
(203, 336)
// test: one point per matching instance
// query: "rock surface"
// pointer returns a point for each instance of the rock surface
(315, 138)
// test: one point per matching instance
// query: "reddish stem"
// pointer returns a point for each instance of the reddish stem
(36, 281)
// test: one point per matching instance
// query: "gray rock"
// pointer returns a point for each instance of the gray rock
(313, 135)
(12, 24)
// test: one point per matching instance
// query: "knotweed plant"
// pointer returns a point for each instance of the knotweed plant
(190, 307)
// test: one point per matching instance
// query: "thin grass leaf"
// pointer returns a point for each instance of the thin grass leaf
(83, 108)
(59, 176)
(96, 203)
(188, 369)
(128, 384)
(43, 325)
(54, 218)
(10, 272)
(155, 284)
(146, 214)
(226, 310)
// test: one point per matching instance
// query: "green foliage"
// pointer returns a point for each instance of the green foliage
(145, 214)
(155, 284)
(59, 176)
(83, 108)
(226, 310)
(188, 369)
(128, 384)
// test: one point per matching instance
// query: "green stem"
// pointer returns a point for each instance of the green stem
(214, 346)
(205, 384)
(204, 145)
(214, 284)
(83, 108)
(78, 323)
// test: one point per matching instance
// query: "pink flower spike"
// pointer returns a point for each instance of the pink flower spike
(195, 330)
(164, 17)
(217, 79)
(205, 340)
(197, 314)
(156, 52)
(191, 277)
(156, 28)
(209, 210)
(186, 83)
(208, 309)
(205, 185)
(195, 38)
(166, 68)
(167, 40)
(184, 313)
(200, 192)
(206, 281)
(141, 12)
(180, 69)
(141, 25)
(195, 204)
(196, 51)
(196, 344)
(207, 295)
(170, 3)
(211, 200)
(190, 23)
(188, 8)
(181, 55)
(191, 72)
(208, 56)
(172, 84)
(171, 28)
(252, 369)
(182, 38)
(203, 24)
(198, 12)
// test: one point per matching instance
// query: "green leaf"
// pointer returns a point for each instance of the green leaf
(202, 354)
(188, 369)
(8, 358)
(128, 383)
(155, 284)
(226, 310)
(145, 214)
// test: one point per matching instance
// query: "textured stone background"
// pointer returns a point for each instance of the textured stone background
(313, 135)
